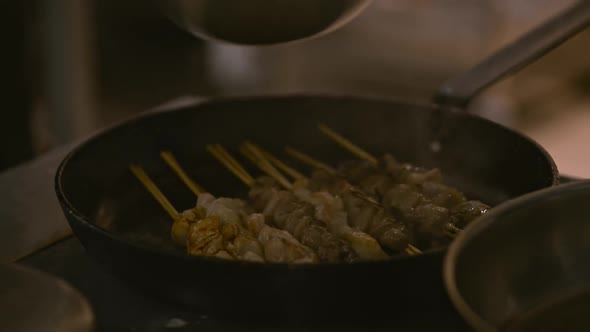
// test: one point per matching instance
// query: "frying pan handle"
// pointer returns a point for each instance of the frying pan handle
(458, 91)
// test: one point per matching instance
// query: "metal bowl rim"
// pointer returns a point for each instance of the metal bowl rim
(479, 226)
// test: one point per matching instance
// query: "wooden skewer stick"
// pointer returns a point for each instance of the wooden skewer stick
(278, 163)
(308, 159)
(231, 159)
(215, 153)
(347, 144)
(413, 250)
(179, 170)
(234, 167)
(315, 163)
(258, 159)
(173, 163)
(454, 229)
(154, 190)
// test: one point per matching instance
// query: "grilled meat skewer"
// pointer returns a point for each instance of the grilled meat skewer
(205, 234)
(288, 213)
(327, 208)
(249, 229)
(363, 213)
(416, 195)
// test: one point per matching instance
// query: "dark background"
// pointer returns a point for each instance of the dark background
(73, 66)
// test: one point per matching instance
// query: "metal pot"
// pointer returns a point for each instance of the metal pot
(524, 265)
(261, 21)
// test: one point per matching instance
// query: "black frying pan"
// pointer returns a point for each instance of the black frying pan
(122, 227)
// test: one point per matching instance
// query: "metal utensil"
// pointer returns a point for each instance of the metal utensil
(525, 263)
(261, 21)
(32, 300)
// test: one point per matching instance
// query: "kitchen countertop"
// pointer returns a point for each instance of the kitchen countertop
(30, 215)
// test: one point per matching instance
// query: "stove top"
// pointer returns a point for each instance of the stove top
(118, 307)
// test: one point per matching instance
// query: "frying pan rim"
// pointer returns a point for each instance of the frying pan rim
(85, 221)
(479, 226)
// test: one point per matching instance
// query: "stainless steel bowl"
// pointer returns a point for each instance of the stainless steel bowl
(32, 300)
(261, 21)
(525, 265)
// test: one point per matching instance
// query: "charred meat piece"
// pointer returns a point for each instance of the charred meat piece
(429, 221)
(279, 246)
(289, 213)
(204, 238)
(363, 215)
(466, 212)
(180, 227)
(441, 194)
(247, 235)
(403, 199)
(356, 170)
(330, 210)
(408, 173)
